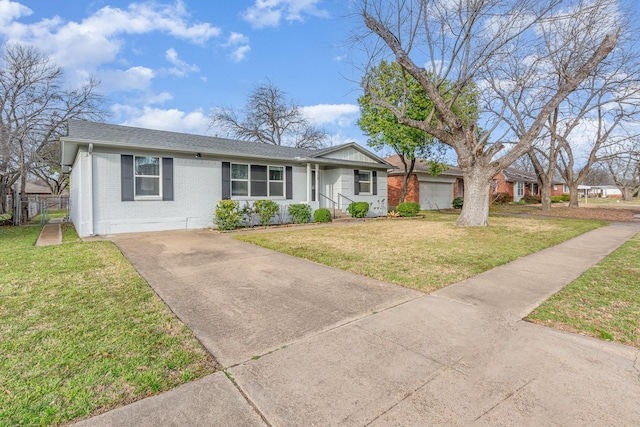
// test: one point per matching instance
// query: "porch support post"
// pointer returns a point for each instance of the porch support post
(316, 183)
(308, 182)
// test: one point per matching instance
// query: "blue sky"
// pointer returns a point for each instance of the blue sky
(165, 64)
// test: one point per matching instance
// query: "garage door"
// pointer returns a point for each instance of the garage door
(435, 195)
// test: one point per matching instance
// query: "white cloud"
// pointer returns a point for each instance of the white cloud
(181, 68)
(340, 58)
(342, 115)
(240, 45)
(97, 39)
(134, 78)
(236, 39)
(269, 13)
(10, 11)
(240, 53)
(195, 122)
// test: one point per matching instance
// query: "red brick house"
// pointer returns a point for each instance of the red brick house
(437, 192)
(516, 183)
(432, 192)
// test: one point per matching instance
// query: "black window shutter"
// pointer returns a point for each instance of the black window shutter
(167, 178)
(289, 179)
(126, 177)
(374, 184)
(226, 180)
(356, 182)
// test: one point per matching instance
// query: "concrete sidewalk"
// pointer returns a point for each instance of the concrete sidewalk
(459, 356)
(51, 233)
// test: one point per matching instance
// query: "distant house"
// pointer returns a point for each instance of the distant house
(605, 191)
(432, 192)
(438, 192)
(125, 179)
(517, 184)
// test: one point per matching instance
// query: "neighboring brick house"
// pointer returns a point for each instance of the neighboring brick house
(437, 192)
(432, 192)
(516, 183)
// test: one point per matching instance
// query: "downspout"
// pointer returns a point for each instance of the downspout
(90, 166)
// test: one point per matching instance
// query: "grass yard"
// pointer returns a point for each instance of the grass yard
(424, 254)
(604, 302)
(81, 332)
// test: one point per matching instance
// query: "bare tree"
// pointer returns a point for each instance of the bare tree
(268, 118)
(499, 46)
(624, 167)
(34, 108)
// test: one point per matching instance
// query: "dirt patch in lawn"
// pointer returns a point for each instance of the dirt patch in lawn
(597, 213)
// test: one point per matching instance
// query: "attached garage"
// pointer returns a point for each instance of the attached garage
(436, 194)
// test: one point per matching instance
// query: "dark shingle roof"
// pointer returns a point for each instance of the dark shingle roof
(148, 138)
(513, 174)
(422, 165)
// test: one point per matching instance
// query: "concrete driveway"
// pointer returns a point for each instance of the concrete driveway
(242, 300)
(339, 349)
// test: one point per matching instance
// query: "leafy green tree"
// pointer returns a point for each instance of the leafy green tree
(390, 82)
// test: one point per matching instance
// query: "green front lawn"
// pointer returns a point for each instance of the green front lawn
(604, 302)
(81, 332)
(425, 254)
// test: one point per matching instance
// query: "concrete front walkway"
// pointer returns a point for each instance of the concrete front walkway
(305, 344)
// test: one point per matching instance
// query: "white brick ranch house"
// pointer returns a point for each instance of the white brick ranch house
(126, 179)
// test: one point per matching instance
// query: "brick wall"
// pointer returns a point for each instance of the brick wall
(394, 186)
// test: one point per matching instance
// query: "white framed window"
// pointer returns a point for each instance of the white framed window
(520, 187)
(364, 182)
(555, 187)
(494, 186)
(276, 181)
(565, 188)
(257, 181)
(146, 174)
(239, 180)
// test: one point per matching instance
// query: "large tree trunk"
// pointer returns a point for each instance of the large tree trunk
(475, 210)
(573, 195)
(627, 194)
(545, 195)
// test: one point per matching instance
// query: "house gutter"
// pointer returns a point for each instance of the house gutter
(90, 155)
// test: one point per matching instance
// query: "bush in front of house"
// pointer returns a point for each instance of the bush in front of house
(531, 199)
(358, 209)
(457, 203)
(248, 214)
(227, 215)
(501, 198)
(565, 197)
(300, 213)
(408, 209)
(266, 209)
(322, 215)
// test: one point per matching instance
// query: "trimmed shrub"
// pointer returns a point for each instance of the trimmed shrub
(556, 199)
(358, 209)
(266, 209)
(501, 198)
(322, 215)
(227, 215)
(565, 197)
(531, 199)
(408, 209)
(300, 213)
(249, 213)
(457, 203)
